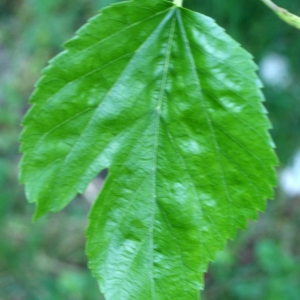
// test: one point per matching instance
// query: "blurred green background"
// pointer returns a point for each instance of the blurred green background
(46, 260)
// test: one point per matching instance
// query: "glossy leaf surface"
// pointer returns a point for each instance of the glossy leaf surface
(171, 105)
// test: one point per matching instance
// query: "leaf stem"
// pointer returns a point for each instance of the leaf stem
(283, 14)
(272, 5)
(178, 2)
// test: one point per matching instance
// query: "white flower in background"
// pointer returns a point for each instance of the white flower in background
(274, 70)
(290, 178)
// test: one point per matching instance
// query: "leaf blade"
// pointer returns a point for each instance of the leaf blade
(170, 120)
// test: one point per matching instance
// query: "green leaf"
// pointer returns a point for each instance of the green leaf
(284, 14)
(171, 105)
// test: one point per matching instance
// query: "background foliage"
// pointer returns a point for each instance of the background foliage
(46, 260)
